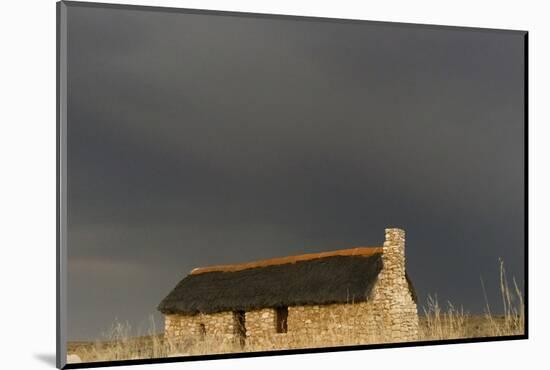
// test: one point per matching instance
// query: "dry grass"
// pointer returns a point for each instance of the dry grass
(436, 323)
(453, 323)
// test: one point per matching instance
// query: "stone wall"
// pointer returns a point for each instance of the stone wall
(219, 327)
(307, 326)
(335, 324)
(310, 326)
(261, 330)
(261, 322)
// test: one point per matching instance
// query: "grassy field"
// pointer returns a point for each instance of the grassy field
(436, 323)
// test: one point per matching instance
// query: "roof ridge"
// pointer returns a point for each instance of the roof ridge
(356, 251)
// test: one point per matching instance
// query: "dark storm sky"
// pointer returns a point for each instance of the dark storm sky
(197, 140)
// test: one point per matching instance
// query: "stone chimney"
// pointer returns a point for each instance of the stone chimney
(394, 252)
(400, 314)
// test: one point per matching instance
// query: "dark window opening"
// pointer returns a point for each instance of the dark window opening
(202, 331)
(240, 328)
(282, 316)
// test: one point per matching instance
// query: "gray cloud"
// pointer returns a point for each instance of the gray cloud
(197, 140)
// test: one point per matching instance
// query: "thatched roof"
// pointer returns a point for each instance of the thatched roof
(319, 279)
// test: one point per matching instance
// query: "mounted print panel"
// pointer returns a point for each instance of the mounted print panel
(235, 184)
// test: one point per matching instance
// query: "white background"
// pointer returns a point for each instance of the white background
(27, 162)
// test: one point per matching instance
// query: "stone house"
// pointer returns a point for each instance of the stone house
(360, 293)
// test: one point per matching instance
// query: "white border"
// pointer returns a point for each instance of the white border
(28, 181)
